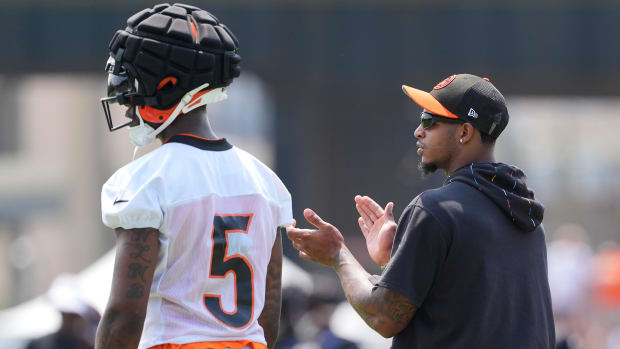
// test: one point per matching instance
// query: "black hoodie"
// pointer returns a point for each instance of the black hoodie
(471, 257)
(505, 186)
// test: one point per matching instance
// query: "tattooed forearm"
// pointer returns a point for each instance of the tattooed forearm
(103, 338)
(270, 317)
(136, 259)
(386, 311)
(393, 306)
(355, 284)
(108, 330)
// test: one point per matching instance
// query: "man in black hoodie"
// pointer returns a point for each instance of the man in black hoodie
(466, 265)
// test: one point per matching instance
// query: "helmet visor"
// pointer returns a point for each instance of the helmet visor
(118, 84)
(119, 88)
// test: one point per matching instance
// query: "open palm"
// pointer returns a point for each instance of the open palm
(378, 226)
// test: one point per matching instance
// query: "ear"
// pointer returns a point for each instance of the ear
(466, 133)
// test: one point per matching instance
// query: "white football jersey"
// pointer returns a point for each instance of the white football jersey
(217, 209)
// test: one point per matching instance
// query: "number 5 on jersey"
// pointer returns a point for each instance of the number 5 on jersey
(237, 264)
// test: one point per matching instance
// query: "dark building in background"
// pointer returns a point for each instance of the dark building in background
(335, 71)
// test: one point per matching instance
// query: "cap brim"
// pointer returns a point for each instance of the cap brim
(428, 102)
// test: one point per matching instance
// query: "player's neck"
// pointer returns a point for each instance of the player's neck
(195, 122)
(482, 154)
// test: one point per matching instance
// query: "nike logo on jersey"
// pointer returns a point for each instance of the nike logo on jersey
(117, 201)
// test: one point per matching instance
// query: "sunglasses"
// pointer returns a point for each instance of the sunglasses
(427, 120)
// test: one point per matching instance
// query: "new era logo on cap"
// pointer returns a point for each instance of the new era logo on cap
(472, 113)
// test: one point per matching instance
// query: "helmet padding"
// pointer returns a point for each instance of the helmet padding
(179, 41)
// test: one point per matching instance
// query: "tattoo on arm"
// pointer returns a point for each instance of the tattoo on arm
(385, 307)
(386, 311)
(138, 251)
(123, 319)
(137, 270)
(395, 307)
(138, 244)
(135, 291)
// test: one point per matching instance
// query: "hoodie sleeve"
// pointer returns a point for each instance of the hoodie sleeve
(417, 255)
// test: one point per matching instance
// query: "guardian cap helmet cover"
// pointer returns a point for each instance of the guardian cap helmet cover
(164, 53)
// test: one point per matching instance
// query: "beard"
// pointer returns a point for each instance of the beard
(427, 168)
(442, 163)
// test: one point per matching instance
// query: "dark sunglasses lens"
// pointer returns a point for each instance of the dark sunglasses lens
(118, 84)
(426, 123)
(426, 120)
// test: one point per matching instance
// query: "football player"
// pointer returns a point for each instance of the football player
(199, 251)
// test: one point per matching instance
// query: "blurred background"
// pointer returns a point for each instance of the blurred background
(319, 100)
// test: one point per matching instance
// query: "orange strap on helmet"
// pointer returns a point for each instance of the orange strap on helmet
(158, 116)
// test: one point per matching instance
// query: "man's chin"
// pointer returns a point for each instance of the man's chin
(427, 168)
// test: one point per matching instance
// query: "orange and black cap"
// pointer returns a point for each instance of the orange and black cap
(466, 97)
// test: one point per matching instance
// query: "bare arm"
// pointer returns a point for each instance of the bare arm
(123, 319)
(384, 310)
(269, 319)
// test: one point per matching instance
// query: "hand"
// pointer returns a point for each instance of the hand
(322, 245)
(378, 227)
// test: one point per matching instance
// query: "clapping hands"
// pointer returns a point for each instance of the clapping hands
(378, 226)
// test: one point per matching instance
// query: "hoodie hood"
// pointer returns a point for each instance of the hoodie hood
(505, 186)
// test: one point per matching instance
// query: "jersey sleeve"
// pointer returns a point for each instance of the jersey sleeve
(417, 255)
(285, 214)
(128, 200)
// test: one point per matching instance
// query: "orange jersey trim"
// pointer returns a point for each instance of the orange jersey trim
(192, 135)
(213, 345)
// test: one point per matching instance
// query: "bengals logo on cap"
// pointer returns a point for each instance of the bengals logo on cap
(445, 82)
